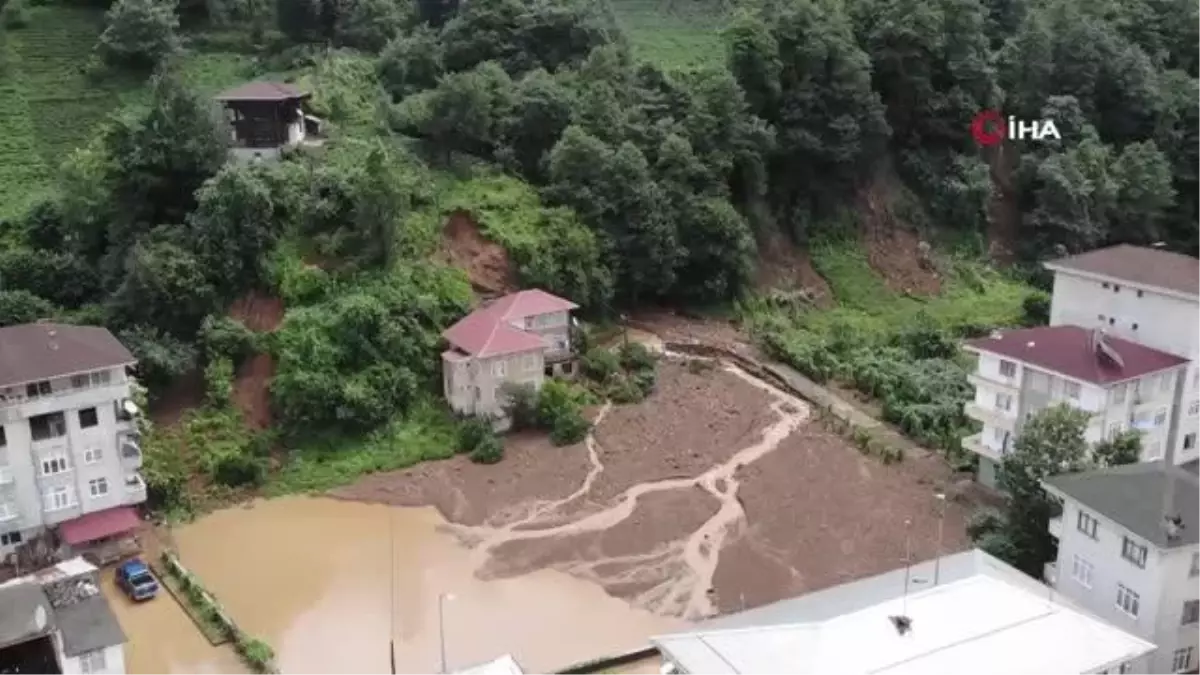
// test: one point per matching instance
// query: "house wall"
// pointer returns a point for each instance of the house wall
(114, 661)
(1162, 586)
(23, 456)
(554, 328)
(473, 386)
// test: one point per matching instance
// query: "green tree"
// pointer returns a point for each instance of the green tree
(161, 358)
(165, 286)
(466, 112)
(538, 115)
(371, 24)
(1144, 193)
(139, 33)
(232, 228)
(411, 62)
(60, 278)
(522, 36)
(20, 306)
(1124, 448)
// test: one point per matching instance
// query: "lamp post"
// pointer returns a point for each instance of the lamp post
(937, 561)
(442, 598)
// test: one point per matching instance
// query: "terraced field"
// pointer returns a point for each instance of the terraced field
(675, 33)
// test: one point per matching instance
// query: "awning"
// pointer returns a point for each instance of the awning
(98, 525)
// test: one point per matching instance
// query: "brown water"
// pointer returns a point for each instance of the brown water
(310, 576)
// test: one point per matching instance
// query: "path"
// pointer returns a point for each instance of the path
(688, 592)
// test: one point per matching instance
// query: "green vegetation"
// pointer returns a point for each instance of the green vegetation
(675, 34)
(557, 407)
(627, 375)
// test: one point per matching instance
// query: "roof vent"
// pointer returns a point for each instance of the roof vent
(902, 624)
(1173, 526)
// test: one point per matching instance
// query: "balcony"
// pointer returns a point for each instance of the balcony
(1004, 419)
(975, 444)
(1007, 384)
(1055, 526)
(135, 489)
(131, 454)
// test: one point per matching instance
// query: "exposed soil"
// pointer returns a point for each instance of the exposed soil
(185, 393)
(783, 266)
(674, 327)
(713, 494)
(1004, 211)
(894, 250)
(486, 263)
(251, 387)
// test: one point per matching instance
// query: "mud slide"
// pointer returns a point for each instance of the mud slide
(687, 592)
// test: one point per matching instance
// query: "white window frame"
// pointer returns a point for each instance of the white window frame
(54, 463)
(1072, 390)
(1128, 601)
(1134, 552)
(92, 455)
(1004, 401)
(52, 501)
(8, 510)
(93, 661)
(1082, 571)
(11, 538)
(1181, 660)
(500, 368)
(95, 485)
(1160, 417)
(1009, 366)
(1086, 524)
(1191, 613)
(1194, 408)
(1195, 569)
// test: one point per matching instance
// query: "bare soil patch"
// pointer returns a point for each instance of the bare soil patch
(486, 262)
(894, 250)
(784, 266)
(675, 327)
(252, 384)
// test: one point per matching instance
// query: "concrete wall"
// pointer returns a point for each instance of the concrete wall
(113, 660)
(473, 386)
(554, 328)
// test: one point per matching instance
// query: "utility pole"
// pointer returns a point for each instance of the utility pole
(937, 561)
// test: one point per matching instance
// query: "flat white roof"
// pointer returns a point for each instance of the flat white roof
(505, 665)
(979, 624)
(63, 570)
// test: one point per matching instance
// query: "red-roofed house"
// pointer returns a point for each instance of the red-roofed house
(520, 338)
(1123, 384)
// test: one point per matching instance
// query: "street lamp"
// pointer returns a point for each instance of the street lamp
(442, 598)
(937, 561)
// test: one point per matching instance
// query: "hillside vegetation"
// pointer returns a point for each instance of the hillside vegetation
(621, 153)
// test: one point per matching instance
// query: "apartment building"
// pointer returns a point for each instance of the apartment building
(1128, 552)
(69, 454)
(964, 613)
(1122, 384)
(1144, 295)
(520, 338)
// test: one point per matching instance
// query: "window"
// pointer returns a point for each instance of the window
(59, 498)
(1128, 601)
(1141, 293)
(1191, 612)
(998, 434)
(1194, 408)
(87, 418)
(92, 455)
(1100, 317)
(1160, 417)
(79, 381)
(1195, 570)
(101, 378)
(500, 369)
(1133, 552)
(1003, 402)
(1087, 524)
(98, 487)
(1166, 382)
(1116, 288)
(1113, 430)
(3, 437)
(1071, 389)
(1081, 571)
(1118, 394)
(1126, 667)
(92, 662)
(1182, 660)
(56, 463)
(36, 389)
(50, 425)
(529, 363)
(10, 538)
(1104, 285)
(1189, 441)
(1008, 369)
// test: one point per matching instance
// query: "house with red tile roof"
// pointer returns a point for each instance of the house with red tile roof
(1122, 384)
(520, 338)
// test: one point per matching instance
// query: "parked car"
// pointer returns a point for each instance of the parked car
(135, 579)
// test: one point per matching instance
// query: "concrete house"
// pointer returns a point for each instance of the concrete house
(1128, 552)
(1144, 295)
(266, 117)
(58, 621)
(520, 338)
(964, 613)
(1122, 384)
(69, 454)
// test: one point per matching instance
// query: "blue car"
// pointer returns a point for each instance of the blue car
(135, 579)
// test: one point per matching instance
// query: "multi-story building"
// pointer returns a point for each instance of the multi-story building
(520, 338)
(1122, 384)
(69, 456)
(1128, 552)
(1143, 295)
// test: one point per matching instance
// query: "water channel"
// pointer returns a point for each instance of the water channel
(311, 577)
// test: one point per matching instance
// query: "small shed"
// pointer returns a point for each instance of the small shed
(267, 115)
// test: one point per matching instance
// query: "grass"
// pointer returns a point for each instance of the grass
(675, 34)
(206, 623)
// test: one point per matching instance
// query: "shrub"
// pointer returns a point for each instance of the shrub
(569, 429)
(218, 382)
(600, 364)
(624, 389)
(139, 33)
(645, 381)
(521, 404)
(1035, 309)
(223, 336)
(236, 470)
(489, 450)
(635, 357)
(555, 400)
(14, 14)
(471, 432)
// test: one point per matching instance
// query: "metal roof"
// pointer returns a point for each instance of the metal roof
(1137, 265)
(40, 351)
(25, 613)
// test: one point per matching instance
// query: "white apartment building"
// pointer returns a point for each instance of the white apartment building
(964, 613)
(1120, 558)
(1144, 295)
(69, 456)
(1122, 384)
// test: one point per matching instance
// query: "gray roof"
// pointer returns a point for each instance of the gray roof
(262, 91)
(25, 614)
(41, 351)
(1132, 496)
(850, 597)
(1137, 265)
(87, 625)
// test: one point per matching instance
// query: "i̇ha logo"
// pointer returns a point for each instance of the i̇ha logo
(990, 127)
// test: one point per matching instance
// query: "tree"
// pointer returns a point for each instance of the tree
(466, 112)
(19, 306)
(369, 24)
(538, 115)
(522, 36)
(1124, 448)
(411, 62)
(1144, 193)
(166, 287)
(161, 358)
(139, 33)
(60, 278)
(232, 228)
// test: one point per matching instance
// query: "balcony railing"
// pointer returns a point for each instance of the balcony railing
(998, 417)
(979, 380)
(975, 444)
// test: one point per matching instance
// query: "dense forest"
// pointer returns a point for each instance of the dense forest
(611, 179)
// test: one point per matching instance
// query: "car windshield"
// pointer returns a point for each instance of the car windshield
(139, 578)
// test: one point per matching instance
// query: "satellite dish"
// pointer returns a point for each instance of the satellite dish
(130, 407)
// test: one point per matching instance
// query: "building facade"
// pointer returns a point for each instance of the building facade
(1122, 385)
(1143, 295)
(68, 438)
(1122, 560)
(266, 117)
(519, 339)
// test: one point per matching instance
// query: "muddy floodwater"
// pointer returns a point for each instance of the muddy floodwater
(310, 576)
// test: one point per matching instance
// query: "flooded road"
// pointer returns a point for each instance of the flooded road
(310, 576)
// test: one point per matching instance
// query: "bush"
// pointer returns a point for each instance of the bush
(1035, 309)
(635, 357)
(14, 14)
(225, 337)
(569, 429)
(489, 450)
(240, 469)
(17, 307)
(218, 382)
(139, 33)
(521, 405)
(556, 399)
(600, 364)
(624, 390)
(645, 381)
(471, 432)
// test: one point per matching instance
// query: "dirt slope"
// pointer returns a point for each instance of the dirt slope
(251, 387)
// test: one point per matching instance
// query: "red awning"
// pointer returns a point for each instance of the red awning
(98, 525)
